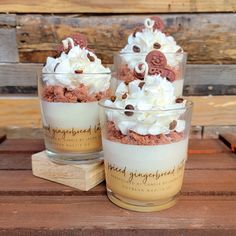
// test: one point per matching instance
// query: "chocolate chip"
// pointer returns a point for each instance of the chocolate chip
(113, 98)
(136, 48)
(78, 71)
(179, 100)
(124, 96)
(157, 45)
(126, 83)
(172, 125)
(58, 63)
(91, 58)
(129, 107)
(141, 85)
(134, 33)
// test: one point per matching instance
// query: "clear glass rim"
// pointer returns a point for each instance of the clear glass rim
(145, 53)
(188, 105)
(74, 74)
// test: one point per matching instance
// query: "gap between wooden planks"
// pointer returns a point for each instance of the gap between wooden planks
(208, 110)
(132, 6)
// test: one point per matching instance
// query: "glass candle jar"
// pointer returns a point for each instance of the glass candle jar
(144, 172)
(69, 110)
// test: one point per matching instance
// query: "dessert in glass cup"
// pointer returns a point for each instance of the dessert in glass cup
(69, 90)
(145, 130)
(150, 51)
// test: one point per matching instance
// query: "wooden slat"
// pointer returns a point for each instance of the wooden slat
(212, 132)
(200, 35)
(209, 110)
(8, 48)
(217, 161)
(92, 6)
(22, 182)
(207, 146)
(200, 79)
(21, 146)
(16, 154)
(7, 20)
(97, 216)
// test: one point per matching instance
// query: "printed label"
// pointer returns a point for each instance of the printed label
(73, 140)
(144, 186)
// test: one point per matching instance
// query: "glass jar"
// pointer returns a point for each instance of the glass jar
(144, 172)
(69, 111)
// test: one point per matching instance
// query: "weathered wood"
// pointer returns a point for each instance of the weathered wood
(229, 139)
(97, 216)
(22, 182)
(17, 112)
(16, 161)
(19, 74)
(200, 35)
(212, 132)
(7, 20)
(3, 137)
(8, 47)
(217, 161)
(200, 79)
(214, 110)
(209, 110)
(21, 146)
(207, 146)
(92, 6)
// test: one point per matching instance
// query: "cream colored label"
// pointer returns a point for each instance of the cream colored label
(144, 186)
(73, 140)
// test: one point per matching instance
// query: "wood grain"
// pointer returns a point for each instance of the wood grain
(8, 48)
(209, 110)
(132, 6)
(97, 216)
(22, 182)
(214, 131)
(7, 20)
(200, 79)
(200, 35)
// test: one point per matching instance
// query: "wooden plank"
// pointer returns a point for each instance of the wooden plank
(15, 154)
(16, 161)
(92, 6)
(62, 216)
(21, 146)
(214, 110)
(217, 161)
(22, 182)
(208, 110)
(7, 20)
(8, 47)
(212, 132)
(200, 79)
(229, 139)
(207, 146)
(38, 35)
(19, 74)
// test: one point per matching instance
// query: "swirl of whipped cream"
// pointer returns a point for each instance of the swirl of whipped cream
(154, 107)
(91, 71)
(145, 41)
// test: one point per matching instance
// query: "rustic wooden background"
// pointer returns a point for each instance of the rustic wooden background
(30, 30)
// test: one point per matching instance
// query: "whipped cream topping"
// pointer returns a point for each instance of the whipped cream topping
(148, 39)
(147, 101)
(77, 66)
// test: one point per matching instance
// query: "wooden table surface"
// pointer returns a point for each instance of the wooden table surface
(33, 206)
